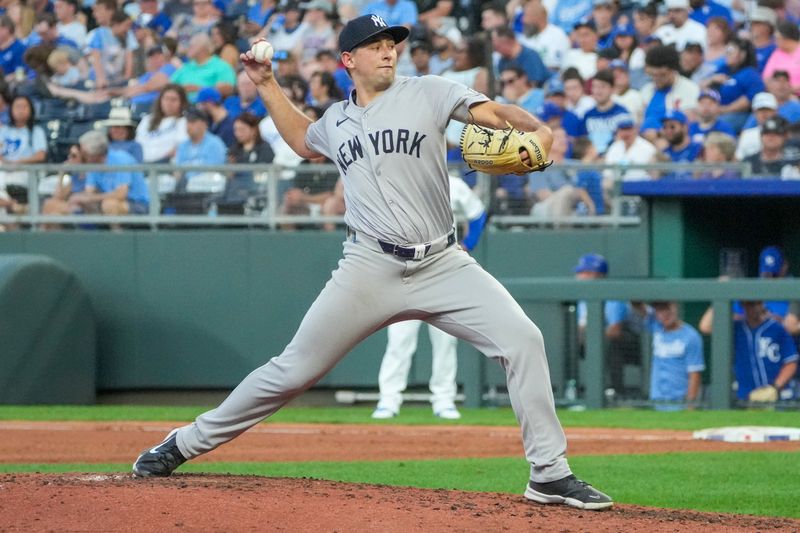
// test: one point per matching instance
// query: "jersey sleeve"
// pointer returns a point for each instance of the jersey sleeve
(615, 311)
(450, 99)
(788, 347)
(38, 141)
(694, 352)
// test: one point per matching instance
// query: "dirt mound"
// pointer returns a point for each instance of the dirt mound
(188, 502)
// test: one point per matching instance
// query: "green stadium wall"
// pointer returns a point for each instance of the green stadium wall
(200, 309)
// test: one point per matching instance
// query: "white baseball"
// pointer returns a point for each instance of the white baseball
(262, 51)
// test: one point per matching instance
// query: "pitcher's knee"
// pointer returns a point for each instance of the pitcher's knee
(532, 336)
(528, 342)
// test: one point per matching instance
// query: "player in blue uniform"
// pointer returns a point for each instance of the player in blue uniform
(677, 358)
(766, 355)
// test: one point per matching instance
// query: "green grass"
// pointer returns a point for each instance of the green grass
(759, 483)
(610, 418)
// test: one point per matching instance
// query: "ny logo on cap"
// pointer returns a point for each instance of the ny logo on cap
(379, 21)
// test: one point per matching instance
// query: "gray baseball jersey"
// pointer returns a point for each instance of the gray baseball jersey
(391, 155)
(393, 162)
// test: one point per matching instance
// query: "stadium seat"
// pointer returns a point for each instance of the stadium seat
(140, 110)
(94, 111)
(55, 109)
(206, 182)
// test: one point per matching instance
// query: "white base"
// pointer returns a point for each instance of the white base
(748, 434)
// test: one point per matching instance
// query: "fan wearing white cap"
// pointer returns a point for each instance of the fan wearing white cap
(680, 29)
(765, 107)
(762, 33)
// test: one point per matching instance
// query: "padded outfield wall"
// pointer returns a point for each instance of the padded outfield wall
(202, 308)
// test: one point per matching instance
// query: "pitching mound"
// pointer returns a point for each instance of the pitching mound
(81, 502)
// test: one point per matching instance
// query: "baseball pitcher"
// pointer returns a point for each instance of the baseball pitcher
(399, 260)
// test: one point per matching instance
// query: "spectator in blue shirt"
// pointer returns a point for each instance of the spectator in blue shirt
(110, 192)
(11, 50)
(603, 16)
(668, 90)
(246, 99)
(46, 32)
(145, 89)
(680, 149)
(788, 104)
(762, 33)
(738, 81)
(677, 358)
(708, 118)
(600, 122)
(515, 89)
(504, 41)
(210, 100)
(201, 148)
(394, 12)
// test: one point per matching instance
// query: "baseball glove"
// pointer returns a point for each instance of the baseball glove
(500, 151)
(765, 394)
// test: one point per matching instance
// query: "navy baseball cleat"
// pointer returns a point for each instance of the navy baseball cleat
(569, 490)
(161, 460)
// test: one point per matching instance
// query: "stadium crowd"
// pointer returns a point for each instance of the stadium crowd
(714, 81)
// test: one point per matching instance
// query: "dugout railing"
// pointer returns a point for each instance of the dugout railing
(263, 205)
(720, 294)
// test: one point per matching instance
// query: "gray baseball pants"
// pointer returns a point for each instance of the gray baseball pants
(370, 290)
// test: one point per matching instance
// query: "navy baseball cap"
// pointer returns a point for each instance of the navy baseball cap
(674, 114)
(592, 263)
(365, 27)
(770, 262)
(775, 125)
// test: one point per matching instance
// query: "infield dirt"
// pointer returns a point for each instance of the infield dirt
(193, 502)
